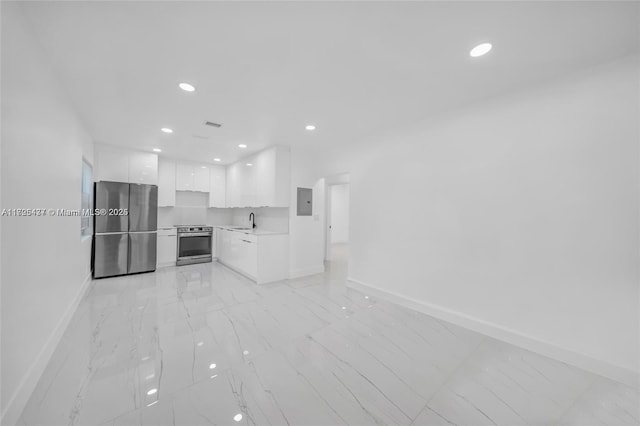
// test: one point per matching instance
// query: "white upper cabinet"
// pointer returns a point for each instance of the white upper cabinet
(281, 178)
(112, 166)
(184, 177)
(166, 183)
(190, 177)
(233, 185)
(121, 165)
(266, 183)
(217, 187)
(249, 186)
(265, 167)
(201, 179)
(143, 168)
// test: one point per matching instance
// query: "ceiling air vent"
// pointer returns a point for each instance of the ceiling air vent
(212, 124)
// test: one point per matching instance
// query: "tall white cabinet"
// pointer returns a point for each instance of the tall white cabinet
(233, 187)
(261, 180)
(166, 183)
(217, 187)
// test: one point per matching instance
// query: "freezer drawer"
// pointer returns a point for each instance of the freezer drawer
(142, 252)
(111, 196)
(110, 254)
(143, 207)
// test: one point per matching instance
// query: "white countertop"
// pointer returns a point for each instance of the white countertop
(255, 231)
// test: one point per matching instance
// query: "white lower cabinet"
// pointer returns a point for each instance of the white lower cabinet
(247, 250)
(166, 248)
(214, 243)
(262, 258)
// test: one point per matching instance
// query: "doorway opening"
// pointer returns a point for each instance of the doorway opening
(337, 223)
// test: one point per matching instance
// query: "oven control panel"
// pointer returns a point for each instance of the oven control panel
(196, 229)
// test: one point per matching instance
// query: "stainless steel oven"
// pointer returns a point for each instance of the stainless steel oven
(194, 244)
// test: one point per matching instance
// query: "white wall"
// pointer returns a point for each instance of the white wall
(44, 262)
(339, 213)
(517, 216)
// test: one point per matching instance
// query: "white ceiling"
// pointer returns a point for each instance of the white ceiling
(265, 70)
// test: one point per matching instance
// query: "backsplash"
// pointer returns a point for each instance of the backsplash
(267, 218)
(218, 216)
(192, 209)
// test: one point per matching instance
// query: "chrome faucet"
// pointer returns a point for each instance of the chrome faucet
(252, 218)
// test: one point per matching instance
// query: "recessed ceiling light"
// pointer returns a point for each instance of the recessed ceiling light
(203, 167)
(157, 150)
(237, 417)
(249, 164)
(187, 87)
(167, 130)
(481, 49)
(310, 127)
(216, 159)
(242, 145)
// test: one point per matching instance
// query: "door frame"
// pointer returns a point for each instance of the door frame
(332, 180)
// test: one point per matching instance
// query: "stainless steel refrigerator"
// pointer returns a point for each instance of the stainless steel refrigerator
(125, 243)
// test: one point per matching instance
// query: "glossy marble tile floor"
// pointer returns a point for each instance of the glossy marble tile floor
(201, 345)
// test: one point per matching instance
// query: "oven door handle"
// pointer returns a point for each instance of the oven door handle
(195, 234)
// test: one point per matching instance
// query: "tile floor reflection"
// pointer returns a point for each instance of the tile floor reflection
(202, 345)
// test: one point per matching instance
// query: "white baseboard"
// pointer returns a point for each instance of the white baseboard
(297, 273)
(505, 334)
(249, 277)
(19, 399)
